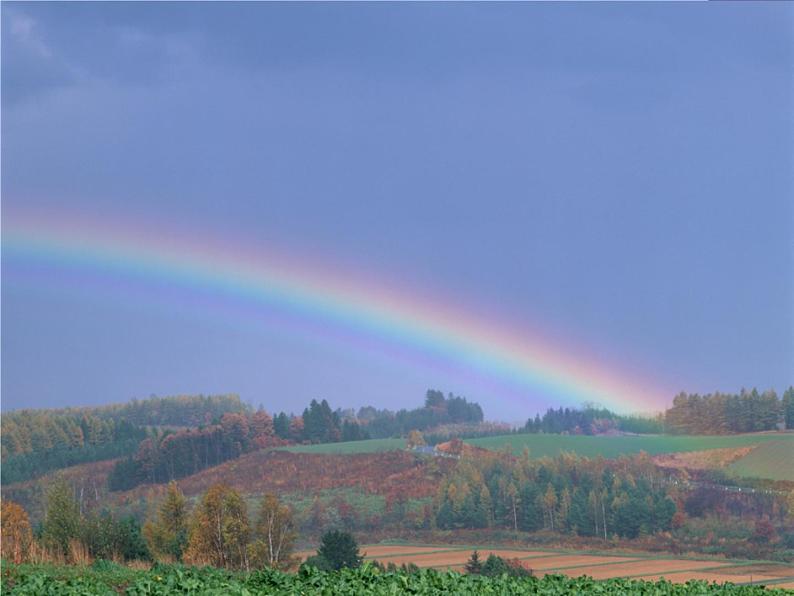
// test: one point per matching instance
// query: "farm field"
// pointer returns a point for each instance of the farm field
(597, 566)
(771, 459)
(541, 445)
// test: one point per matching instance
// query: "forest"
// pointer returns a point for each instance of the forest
(592, 420)
(567, 494)
(319, 424)
(725, 413)
(38, 441)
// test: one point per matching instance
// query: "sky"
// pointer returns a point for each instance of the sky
(615, 175)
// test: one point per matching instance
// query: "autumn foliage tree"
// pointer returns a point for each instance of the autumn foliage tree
(61, 519)
(415, 439)
(17, 537)
(166, 535)
(723, 413)
(274, 535)
(219, 530)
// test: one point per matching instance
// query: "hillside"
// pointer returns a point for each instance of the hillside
(396, 474)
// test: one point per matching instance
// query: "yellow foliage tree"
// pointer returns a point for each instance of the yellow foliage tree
(219, 531)
(274, 535)
(166, 536)
(415, 439)
(16, 537)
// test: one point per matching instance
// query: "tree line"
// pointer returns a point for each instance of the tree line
(591, 420)
(724, 413)
(319, 424)
(35, 442)
(567, 494)
(176, 454)
(217, 532)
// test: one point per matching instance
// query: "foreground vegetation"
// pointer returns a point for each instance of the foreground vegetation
(107, 578)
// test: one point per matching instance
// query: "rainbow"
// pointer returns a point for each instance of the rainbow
(529, 363)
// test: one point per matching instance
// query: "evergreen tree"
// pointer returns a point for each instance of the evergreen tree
(474, 565)
(281, 426)
(788, 408)
(339, 549)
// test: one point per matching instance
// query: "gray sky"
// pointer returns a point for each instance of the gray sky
(618, 173)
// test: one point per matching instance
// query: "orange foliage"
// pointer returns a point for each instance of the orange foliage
(16, 537)
(399, 473)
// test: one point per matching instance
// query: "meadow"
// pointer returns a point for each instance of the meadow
(771, 459)
(541, 445)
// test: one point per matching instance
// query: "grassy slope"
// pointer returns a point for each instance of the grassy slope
(772, 459)
(540, 445)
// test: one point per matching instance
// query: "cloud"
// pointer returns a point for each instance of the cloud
(30, 67)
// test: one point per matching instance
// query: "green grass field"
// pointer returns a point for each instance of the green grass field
(772, 459)
(370, 446)
(540, 445)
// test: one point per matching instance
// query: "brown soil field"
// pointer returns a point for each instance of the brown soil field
(596, 566)
(786, 586)
(572, 560)
(648, 566)
(382, 551)
(456, 554)
(710, 577)
(702, 460)
(764, 570)
(452, 557)
(374, 552)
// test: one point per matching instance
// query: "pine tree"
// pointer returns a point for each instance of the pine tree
(339, 549)
(485, 505)
(788, 408)
(474, 565)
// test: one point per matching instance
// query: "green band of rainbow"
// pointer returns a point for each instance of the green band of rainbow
(425, 328)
